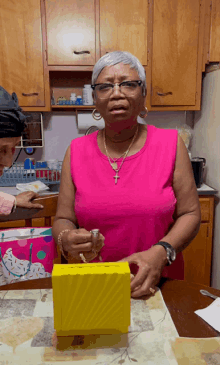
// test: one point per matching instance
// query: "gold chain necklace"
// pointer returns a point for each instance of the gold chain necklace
(115, 160)
(114, 163)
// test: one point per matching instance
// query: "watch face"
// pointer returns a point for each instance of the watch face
(172, 255)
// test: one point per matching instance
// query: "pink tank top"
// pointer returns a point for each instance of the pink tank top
(136, 212)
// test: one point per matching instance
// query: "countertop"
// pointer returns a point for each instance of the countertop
(204, 190)
(13, 191)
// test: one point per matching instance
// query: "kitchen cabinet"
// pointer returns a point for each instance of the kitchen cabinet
(21, 61)
(176, 54)
(71, 32)
(198, 255)
(170, 37)
(126, 33)
(207, 29)
(214, 53)
(72, 26)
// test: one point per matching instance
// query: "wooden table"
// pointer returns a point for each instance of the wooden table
(181, 298)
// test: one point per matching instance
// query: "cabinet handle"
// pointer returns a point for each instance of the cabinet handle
(81, 52)
(31, 94)
(165, 94)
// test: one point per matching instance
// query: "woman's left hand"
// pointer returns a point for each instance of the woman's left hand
(150, 264)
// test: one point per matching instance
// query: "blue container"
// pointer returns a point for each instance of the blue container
(41, 165)
(79, 100)
(29, 163)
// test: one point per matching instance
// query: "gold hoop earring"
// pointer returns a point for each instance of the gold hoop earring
(96, 115)
(144, 113)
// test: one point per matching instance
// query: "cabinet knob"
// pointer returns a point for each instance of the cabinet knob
(81, 52)
(31, 94)
(165, 94)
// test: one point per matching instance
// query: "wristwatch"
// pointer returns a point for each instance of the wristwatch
(171, 252)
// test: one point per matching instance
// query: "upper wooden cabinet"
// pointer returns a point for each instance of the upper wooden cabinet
(21, 61)
(124, 27)
(70, 27)
(171, 38)
(175, 52)
(214, 54)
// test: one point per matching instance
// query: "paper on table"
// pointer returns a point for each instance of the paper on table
(211, 314)
(34, 186)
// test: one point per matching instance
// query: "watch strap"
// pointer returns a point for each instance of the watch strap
(171, 252)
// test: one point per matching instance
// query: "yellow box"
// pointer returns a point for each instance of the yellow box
(91, 298)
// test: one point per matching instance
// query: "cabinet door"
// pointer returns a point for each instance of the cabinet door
(70, 32)
(197, 258)
(21, 61)
(215, 32)
(175, 52)
(123, 27)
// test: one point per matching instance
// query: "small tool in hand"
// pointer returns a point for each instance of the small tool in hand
(82, 257)
(95, 236)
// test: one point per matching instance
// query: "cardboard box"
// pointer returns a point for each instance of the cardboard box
(91, 298)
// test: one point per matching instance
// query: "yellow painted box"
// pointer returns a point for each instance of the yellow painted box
(91, 298)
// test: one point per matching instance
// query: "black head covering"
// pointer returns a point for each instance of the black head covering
(12, 120)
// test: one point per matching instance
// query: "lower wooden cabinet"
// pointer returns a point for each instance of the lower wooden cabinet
(198, 255)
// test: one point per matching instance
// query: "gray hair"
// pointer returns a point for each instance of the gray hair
(113, 58)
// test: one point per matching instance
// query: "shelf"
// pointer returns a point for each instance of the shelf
(73, 107)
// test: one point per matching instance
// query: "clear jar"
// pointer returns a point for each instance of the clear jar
(87, 95)
(73, 97)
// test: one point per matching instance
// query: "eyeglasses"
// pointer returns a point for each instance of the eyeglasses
(128, 88)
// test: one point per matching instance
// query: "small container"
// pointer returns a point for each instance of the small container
(79, 100)
(73, 98)
(53, 164)
(198, 165)
(41, 165)
(29, 163)
(87, 95)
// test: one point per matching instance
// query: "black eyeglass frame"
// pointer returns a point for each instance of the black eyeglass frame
(139, 82)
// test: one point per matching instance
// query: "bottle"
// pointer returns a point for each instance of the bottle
(79, 100)
(73, 98)
(87, 95)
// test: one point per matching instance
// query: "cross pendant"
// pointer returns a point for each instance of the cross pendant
(116, 177)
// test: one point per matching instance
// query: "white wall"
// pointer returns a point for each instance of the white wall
(206, 143)
(60, 128)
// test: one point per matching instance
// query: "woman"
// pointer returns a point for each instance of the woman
(12, 124)
(131, 181)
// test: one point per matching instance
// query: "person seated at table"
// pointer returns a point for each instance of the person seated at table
(134, 182)
(12, 124)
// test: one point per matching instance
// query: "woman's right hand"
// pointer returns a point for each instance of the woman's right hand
(24, 200)
(80, 241)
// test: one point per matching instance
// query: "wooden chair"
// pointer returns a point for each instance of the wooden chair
(33, 217)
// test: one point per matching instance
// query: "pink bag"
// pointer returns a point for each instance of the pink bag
(26, 254)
